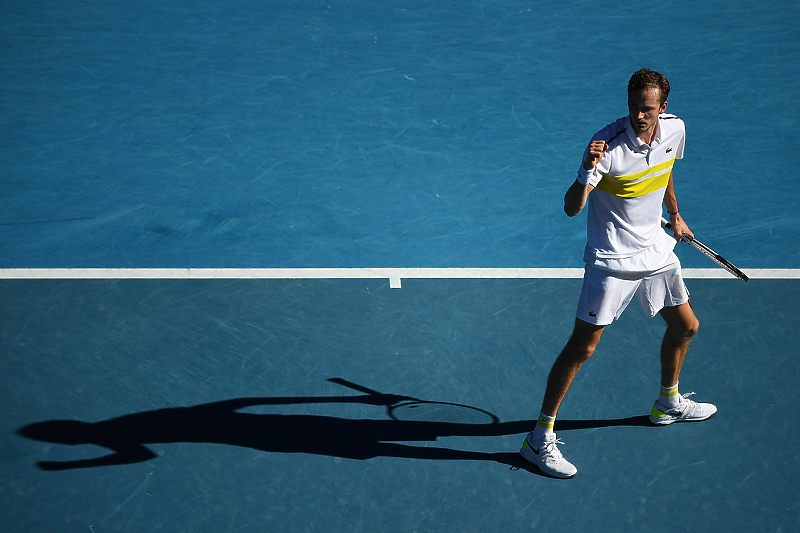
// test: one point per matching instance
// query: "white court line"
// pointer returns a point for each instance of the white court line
(394, 275)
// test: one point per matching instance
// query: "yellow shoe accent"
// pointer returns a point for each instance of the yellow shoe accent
(655, 413)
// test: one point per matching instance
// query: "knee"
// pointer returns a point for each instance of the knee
(580, 348)
(691, 327)
(686, 330)
(582, 343)
(694, 328)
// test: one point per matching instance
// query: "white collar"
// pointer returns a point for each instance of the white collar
(638, 143)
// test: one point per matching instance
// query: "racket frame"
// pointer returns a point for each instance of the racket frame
(708, 252)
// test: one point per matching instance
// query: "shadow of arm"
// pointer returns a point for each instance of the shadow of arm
(126, 456)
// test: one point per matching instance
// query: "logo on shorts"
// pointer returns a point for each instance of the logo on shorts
(669, 150)
(593, 315)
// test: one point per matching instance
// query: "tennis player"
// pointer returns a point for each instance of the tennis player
(625, 177)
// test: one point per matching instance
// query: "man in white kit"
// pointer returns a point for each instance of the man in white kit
(625, 177)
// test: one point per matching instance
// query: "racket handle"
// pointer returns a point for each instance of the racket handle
(667, 225)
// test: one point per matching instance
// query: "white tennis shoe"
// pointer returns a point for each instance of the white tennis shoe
(545, 455)
(686, 411)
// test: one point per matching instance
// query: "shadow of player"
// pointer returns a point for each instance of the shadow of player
(221, 422)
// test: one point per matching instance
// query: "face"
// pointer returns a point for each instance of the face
(644, 109)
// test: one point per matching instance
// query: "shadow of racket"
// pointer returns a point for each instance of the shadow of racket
(405, 408)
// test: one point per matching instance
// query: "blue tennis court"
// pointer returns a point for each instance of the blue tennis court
(350, 136)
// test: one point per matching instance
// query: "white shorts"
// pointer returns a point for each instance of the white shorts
(606, 294)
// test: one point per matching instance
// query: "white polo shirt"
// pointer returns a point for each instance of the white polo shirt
(624, 210)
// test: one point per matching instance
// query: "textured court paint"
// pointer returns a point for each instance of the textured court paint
(309, 454)
(347, 134)
(351, 133)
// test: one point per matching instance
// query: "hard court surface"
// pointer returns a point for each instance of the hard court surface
(351, 136)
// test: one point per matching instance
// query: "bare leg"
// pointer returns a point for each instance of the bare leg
(579, 349)
(540, 445)
(682, 325)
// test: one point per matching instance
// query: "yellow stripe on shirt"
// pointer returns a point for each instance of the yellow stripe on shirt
(639, 184)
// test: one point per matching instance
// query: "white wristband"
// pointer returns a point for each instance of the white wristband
(588, 177)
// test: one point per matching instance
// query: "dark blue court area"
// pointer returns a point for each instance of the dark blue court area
(353, 134)
(281, 405)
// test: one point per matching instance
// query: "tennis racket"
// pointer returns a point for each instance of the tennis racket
(711, 254)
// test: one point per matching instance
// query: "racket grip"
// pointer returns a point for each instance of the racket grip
(665, 223)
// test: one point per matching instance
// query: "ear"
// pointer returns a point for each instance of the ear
(663, 108)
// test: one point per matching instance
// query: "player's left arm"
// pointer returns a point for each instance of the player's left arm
(679, 227)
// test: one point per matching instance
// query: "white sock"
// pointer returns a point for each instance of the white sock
(669, 396)
(543, 427)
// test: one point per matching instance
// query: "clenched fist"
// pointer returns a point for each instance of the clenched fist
(596, 151)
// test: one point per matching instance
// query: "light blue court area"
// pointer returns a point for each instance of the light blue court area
(359, 151)
(361, 134)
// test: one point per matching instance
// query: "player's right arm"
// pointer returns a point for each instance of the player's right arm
(577, 194)
(575, 199)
